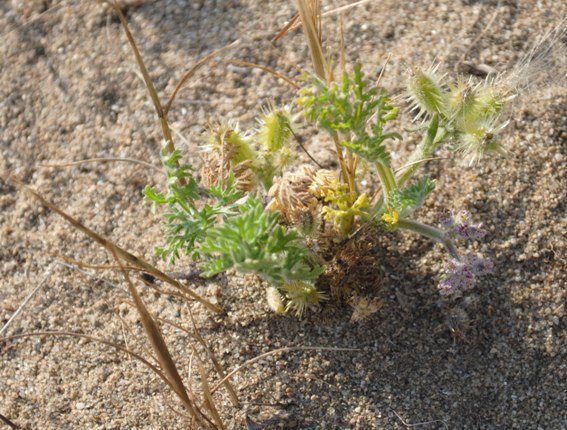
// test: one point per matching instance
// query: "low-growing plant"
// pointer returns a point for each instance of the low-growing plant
(251, 207)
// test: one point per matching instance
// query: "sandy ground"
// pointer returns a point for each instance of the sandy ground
(70, 90)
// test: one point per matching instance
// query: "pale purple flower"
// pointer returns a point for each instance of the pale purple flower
(462, 275)
(478, 265)
(460, 226)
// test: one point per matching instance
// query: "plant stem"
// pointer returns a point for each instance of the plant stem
(347, 175)
(387, 180)
(432, 233)
(424, 150)
(377, 208)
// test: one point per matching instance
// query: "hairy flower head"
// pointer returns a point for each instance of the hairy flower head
(426, 91)
(462, 275)
(301, 296)
(460, 226)
(275, 128)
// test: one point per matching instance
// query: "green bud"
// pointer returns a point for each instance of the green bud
(275, 128)
(426, 91)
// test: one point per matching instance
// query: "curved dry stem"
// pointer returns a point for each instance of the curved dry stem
(275, 351)
(265, 69)
(300, 143)
(406, 424)
(193, 70)
(102, 160)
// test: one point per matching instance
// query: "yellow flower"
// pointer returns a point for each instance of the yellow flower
(391, 217)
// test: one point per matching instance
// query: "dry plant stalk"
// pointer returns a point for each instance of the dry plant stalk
(158, 343)
(310, 14)
(166, 130)
(109, 245)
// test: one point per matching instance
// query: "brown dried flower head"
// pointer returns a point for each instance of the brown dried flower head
(227, 152)
(291, 196)
(323, 181)
(216, 167)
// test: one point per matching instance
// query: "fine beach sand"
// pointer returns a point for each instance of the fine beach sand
(70, 90)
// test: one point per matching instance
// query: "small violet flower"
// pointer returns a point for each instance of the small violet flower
(478, 265)
(460, 226)
(462, 275)
(446, 219)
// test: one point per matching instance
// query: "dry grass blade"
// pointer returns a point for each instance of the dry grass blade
(147, 79)
(209, 401)
(292, 24)
(218, 367)
(193, 70)
(296, 22)
(8, 422)
(84, 265)
(101, 160)
(309, 11)
(158, 343)
(265, 69)
(125, 255)
(196, 335)
(24, 303)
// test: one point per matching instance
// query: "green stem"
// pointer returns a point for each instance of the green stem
(387, 180)
(432, 233)
(424, 150)
(377, 208)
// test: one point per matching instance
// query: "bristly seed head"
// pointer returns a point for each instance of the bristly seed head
(301, 296)
(479, 138)
(426, 91)
(323, 181)
(275, 128)
(227, 152)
